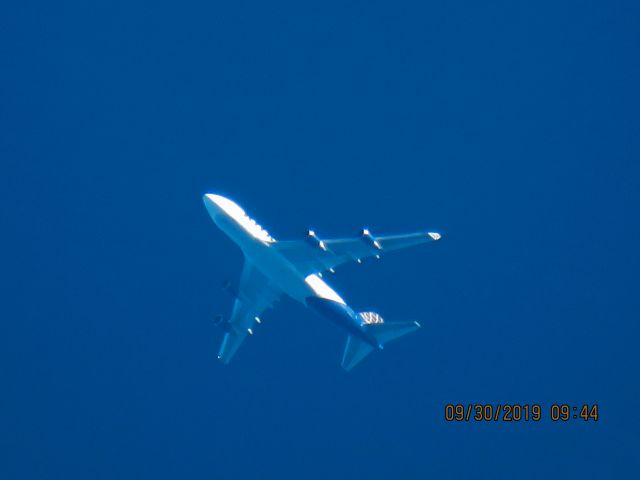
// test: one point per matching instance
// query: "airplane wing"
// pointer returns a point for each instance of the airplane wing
(313, 255)
(255, 294)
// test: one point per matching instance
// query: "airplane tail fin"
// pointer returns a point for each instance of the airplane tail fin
(356, 350)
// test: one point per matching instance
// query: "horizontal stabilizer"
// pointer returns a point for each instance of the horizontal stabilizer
(385, 332)
(354, 352)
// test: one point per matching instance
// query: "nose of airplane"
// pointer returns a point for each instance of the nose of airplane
(212, 203)
(217, 205)
(210, 197)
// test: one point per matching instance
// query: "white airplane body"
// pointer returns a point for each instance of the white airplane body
(294, 268)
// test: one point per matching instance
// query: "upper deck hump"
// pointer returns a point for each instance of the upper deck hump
(234, 211)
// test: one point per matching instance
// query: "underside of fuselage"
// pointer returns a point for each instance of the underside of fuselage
(270, 262)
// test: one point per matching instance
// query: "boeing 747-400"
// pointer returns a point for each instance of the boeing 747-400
(295, 267)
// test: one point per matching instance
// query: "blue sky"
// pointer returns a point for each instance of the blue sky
(512, 128)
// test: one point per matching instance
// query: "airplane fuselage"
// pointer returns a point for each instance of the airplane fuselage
(310, 290)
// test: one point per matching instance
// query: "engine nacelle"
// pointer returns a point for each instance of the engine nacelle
(221, 322)
(228, 287)
(314, 240)
(367, 237)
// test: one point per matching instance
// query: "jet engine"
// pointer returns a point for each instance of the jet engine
(221, 322)
(367, 237)
(228, 287)
(314, 240)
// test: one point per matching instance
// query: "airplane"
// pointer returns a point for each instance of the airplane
(295, 268)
